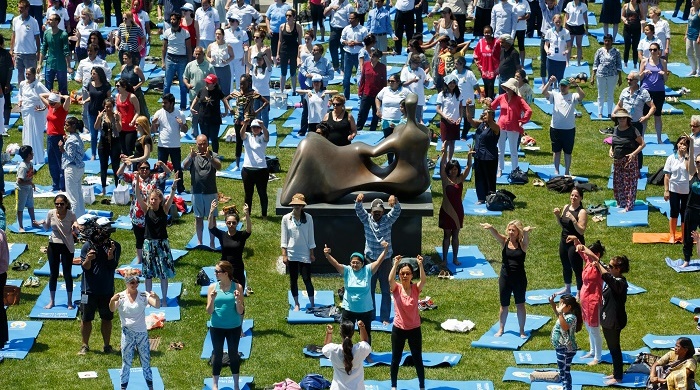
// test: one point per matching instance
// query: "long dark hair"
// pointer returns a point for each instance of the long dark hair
(75, 122)
(347, 329)
(127, 85)
(101, 75)
(446, 90)
(689, 347)
(100, 41)
(569, 300)
(597, 248)
(451, 164)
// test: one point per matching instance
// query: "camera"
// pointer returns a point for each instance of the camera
(95, 233)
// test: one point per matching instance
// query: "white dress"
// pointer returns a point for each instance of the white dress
(33, 121)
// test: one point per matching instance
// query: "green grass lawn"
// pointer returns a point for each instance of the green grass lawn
(277, 346)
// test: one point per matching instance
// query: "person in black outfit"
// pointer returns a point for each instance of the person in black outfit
(512, 279)
(573, 219)
(485, 153)
(692, 211)
(4, 263)
(510, 61)
(613, 317)
(534, 22)
(6, 63)
(117, 12)
(99, 258)
(232, 240)
(207, 104)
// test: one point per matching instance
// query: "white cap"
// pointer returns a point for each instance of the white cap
(104, 221)
(187, 7)
(255, 122)
(54, 98)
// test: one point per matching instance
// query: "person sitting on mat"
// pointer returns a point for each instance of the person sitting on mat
(676, 369)
(347, 359)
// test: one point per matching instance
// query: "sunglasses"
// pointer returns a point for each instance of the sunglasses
(653, 50)
(337, 104)
(218, 271)
(59, 204)
(694, 126)
(631, 79)
(257, 37)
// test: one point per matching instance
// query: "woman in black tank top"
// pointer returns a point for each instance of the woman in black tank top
(341, 123)
(573, 219)
(512, 279)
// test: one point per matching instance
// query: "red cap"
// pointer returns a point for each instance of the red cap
(211, 79)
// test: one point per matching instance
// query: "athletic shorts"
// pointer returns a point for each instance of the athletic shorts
(562, 140)
(97, 302)
(201, 204)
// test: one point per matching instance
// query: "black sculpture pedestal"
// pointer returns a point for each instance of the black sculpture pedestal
(337, 226)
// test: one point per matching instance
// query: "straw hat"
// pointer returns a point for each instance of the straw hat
(511, 84)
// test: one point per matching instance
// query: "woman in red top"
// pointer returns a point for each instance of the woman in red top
(372, 80)
(452, 211)
(55, 120)
(189, 23)
(127, 107)
(487, 55)
(514, 114)
(591, 297)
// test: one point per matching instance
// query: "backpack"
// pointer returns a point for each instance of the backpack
(560, 184)
(657, 178)
(156, 83)
(517, 177)
(314, 382)
(500, 200)
(588, 187)
(203, 278)
(273, 164)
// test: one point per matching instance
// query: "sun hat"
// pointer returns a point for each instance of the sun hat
(316, 77)
(621, 113)
(256, 123)
(511, 84)
(450, 78)
(298, 199)
(187, 7)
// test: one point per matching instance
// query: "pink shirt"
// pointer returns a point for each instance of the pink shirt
(488, 56)
(406, 315)
(591, 293)
(513, 114)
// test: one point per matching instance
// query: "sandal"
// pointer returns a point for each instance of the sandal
(20, 266)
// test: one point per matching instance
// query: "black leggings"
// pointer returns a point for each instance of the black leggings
(109, 153)
(127, 140)
(211, 130)
(256, 179)
(678, 202)
(139, 234)
(4, 337)
(239, 142)
(489, 86)
(571, 262)
(520, 36)
(296, 267)
(58, 254)
(415, 344)
(612, 338)
(632, 35)
(692, 222)
(232, 337)
(366, 317)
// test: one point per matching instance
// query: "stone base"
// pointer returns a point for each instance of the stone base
(337, 226)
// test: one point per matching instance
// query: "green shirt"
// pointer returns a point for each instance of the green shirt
(55, 49)
(195, 73)
(565, 338)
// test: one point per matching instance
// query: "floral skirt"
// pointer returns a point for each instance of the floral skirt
(157, 259)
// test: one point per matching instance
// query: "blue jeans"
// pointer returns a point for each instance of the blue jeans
(382, 275)
(223, 73)
(173, 65)
(94, 135)
(54, 157)
(264, 115)
(61, 75)
(351, 60)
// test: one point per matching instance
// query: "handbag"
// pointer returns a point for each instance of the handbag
(517, 176)
(88, 195)
(500, 200)
(121, 195)
(545, 376)
(10, 295)
(203, 278)
(273, 164)
(314, 382)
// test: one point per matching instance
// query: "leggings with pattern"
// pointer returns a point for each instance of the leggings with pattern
(135, 340)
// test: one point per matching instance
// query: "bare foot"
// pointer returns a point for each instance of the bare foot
(523, 335)
(566, 291)
(671, 239)
(499, 173)
(385, 322)
(685, 264)
(498, 334)
(21, 230)
(588, 355)
(593, 362)
(296, 307)
(49, 306)
(70, 307)
(457, 263)
(611, 382)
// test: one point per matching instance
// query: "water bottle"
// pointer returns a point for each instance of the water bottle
(41, 261)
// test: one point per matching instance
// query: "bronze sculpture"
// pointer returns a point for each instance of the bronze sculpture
(325, 172)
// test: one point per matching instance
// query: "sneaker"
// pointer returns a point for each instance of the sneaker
(83, 350)
(108, 349)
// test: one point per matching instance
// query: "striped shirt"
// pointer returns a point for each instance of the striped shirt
(129, 37)
(376, 232)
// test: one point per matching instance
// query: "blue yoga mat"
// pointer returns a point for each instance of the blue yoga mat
(550, 357)
(510, 340)
(546, 172)
(60, 310)
(641, 183)
(695, 103)
(668, 109)
(430, 359)
(322, 298)
(177, 254)
(39, 214)
(16, 249)
(12, 167)
(244, 346)
(668, 15)
(291, 140)
(676, 265)
(680, 69)
(368, 137)
(473, 263)
(541, 296)
(657, 150)
(598, 34)
(10, 187)
(692, 305)
(550, 386)
(412, 384)
(573, 70)
(654, 341)
(651, 139)
(471, 208)
(462, 164)
(136, 380)
(123, 222)
(592, 109)
(578, 378)
(22, 335)
(508, 168)
(639, 216)
(212, 277)
(544, 105)
(76, 270)
(662, 205)
(221, 225)
(226, 383)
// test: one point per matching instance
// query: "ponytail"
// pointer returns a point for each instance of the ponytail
(347, 328)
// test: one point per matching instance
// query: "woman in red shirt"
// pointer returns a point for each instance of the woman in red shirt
(487, 55)
(127, 107)
(55, 120)
(372, 80)
(189, 23)
(514, 114)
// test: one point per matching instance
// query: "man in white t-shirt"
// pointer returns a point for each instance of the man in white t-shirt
(248, 15)
(208, 20)
(25, 41)
(176, 51)
(562, 129)
(414, 79)
(168, 123)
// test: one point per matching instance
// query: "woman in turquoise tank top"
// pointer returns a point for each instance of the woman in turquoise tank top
(225, 304)
(692, 38)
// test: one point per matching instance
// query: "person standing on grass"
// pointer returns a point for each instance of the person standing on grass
(573, 220)
(290, 38)
(4, 264)
(33, 113)
(255, 173)
(607, 72)
(195, 73)
(512, 280)
(98, 260)
(109, 126)
(562, 128)
(379, 24)
(157, 256)
(450, 108)
(298, 243)
(202, 164)
(451, 210)
(56, 52)
(63, 224)
(351, 38)
(339, 11)
(72, 164)
(177, 50)
(232, 240)
(633, 100)
(692, 210)
(208, 21)
(591, 297)
(226, 307)
(485, 153)
(55, 121)
(377, 228)
(25, 186)
(207, 105)
(654, 74)
(372, 80)
(576, 22)
(677, 183)
(25, 40)
(132, 314)
(168, 123)
(312, 65)
(626, 147)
